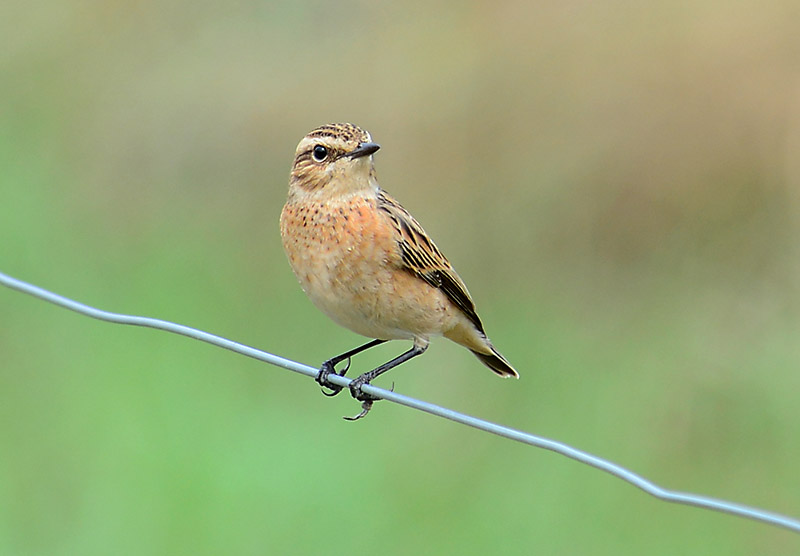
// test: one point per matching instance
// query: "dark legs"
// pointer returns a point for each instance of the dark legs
(329, 367)
(367, 400)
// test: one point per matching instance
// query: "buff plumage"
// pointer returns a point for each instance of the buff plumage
(366, 262)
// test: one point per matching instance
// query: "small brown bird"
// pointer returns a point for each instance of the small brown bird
(365, 261)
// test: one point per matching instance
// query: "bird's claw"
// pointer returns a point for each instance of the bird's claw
(322, 378)
(366, 405)
(366, 399)
(328, 368)
(333, 390)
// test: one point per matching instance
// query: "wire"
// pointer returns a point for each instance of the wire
(638, 481)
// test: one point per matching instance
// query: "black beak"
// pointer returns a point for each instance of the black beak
(364, 149)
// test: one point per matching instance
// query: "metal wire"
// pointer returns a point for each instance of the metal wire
(604, 465)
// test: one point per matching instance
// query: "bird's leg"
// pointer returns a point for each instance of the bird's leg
(367, 400)
(329, 367)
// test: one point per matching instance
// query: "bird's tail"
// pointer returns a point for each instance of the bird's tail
(497, 363)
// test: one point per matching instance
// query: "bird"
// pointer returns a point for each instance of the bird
(366, 263)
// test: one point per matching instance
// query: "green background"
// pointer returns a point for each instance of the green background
(617, 182)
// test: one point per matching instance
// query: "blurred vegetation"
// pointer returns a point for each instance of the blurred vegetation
(618, 183)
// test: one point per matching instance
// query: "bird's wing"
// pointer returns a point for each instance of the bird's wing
(422, 258)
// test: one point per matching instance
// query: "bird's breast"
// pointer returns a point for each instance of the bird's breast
(344, 254)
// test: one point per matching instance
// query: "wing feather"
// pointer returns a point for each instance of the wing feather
(423, 259)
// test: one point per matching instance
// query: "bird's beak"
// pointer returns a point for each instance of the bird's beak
(364, 149)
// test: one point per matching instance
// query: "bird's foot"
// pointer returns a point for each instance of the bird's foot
(366, 399)
(366, 405)
(328, 368)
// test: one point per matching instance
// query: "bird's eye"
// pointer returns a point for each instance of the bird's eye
(320, 153)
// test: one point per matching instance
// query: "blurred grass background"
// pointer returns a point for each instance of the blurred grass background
(618, 183)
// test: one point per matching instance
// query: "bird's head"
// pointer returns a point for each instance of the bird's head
(334, 159)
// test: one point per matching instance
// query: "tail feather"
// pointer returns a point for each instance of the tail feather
(497, 363)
